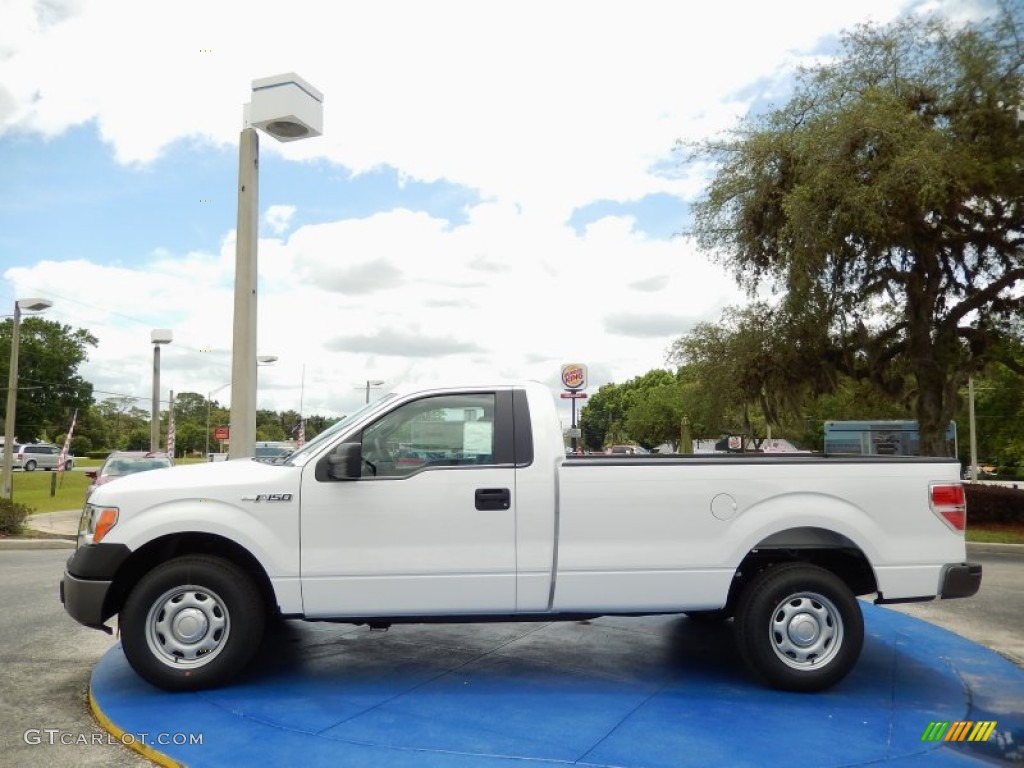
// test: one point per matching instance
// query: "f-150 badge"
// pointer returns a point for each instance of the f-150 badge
(268, 497)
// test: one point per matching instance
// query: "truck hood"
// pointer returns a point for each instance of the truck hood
(222, 480)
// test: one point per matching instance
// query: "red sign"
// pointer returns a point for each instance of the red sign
(573, 395)
(222, 433)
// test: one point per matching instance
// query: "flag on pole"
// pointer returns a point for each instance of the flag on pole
(170, 428)
(67, 443)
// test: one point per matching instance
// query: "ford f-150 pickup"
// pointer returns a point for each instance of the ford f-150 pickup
(461, 504)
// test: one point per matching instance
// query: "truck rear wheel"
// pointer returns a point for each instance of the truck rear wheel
(191, 623)
(799, 627)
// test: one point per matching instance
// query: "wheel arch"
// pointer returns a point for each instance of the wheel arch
(164, 548)
(818, 546)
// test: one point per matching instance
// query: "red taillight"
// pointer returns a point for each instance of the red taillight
(948, 502)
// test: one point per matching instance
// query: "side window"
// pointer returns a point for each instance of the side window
(442, 431)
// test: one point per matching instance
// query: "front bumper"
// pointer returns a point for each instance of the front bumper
(87, 581)
(84, 599)
(960, 580)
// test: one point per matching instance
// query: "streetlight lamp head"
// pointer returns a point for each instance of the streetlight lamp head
(266, 359)
(161, 336)
(286, 107)
(286, 130)
(34, 305)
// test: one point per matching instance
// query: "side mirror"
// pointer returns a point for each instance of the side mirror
(92, 474)
(346, 462)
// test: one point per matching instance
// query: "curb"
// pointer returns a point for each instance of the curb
(129, 740)
(981, 547)
(24, 544)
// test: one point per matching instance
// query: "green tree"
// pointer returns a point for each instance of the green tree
(268, 426)
(137, 439)
(189, 437)
(113, 414)
(602, 409)
(316, 424)
(886, 201)
(999, 414)
(604, 419)
(190, 406)
(49, 386)
(656, 413)
(761, 357)
(80, 445)
(289, 421)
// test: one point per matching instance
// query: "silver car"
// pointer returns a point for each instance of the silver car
(39, 455)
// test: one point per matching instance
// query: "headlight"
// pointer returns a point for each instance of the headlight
(95, 523)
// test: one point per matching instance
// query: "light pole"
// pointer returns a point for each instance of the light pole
(209, 397)
(32, 305)
(288, 108)
(371, 384)
(260, 361)
(158, 337)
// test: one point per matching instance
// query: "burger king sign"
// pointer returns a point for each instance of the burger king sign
(574, 376)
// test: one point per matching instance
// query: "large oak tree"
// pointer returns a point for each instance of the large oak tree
(885, 203)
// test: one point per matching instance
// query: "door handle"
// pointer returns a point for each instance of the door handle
(493, 498)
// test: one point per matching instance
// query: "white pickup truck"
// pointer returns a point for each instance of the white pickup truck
(461, 503)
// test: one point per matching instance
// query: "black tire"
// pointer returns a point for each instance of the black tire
(68, 466)
(192, 623)
(799, 627)
(30, 466)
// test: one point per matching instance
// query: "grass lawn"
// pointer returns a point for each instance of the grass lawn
(996, 533)
(33, 490)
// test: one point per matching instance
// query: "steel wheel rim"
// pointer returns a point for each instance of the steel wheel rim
(806, 631)
(187, 626)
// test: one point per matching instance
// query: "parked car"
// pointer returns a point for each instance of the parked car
(627, 450)
(121, 463)
(274, 449)
(31, 456)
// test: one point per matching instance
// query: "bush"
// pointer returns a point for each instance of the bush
(12, 516)
(80, 445)
(994, 504)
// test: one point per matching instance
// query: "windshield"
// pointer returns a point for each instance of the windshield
(273, 451)
(120, 467)
(311, 447)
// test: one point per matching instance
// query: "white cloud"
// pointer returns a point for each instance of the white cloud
(279, 218)
(550, 105)
(433, 316)
(541, 107)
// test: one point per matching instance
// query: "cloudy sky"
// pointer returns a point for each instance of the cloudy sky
(496, 191)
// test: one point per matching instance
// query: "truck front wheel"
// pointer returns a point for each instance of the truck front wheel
(799, 627)
(191, 623)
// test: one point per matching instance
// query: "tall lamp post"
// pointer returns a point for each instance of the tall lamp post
(371, 384)
(288, 108)
(158, 337)
(32, 305)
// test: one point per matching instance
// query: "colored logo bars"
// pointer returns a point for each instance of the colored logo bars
(961, 730)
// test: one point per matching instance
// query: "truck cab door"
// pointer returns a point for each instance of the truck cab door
(425, 524)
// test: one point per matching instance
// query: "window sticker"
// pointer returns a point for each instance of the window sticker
(477, 437)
